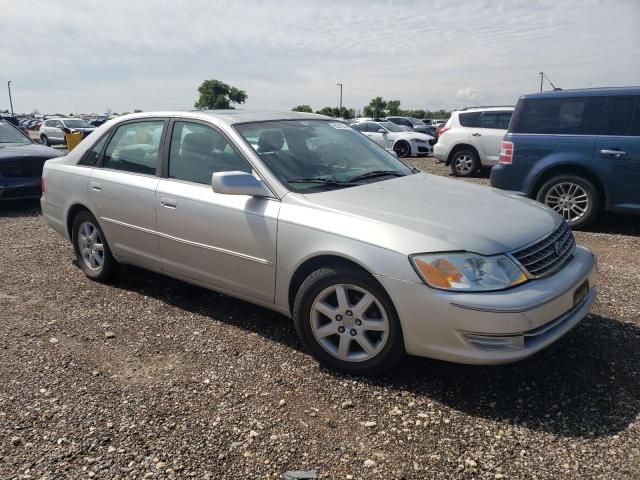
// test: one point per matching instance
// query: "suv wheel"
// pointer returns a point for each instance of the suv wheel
(464, 163)
(347, 321)
(45, 140)
(572, 196)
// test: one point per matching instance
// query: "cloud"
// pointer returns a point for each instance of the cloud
(153, 55)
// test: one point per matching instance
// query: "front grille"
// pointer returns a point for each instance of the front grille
(547, 255)
(24, 167)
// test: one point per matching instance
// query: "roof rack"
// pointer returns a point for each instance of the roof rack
(488, 106)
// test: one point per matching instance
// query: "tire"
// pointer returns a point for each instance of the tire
(348, 322)
(45, 140)
(572, 196)
(464, 162)
(100, 264)
(402, 149)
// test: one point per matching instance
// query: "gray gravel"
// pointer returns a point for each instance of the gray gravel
(153, 378)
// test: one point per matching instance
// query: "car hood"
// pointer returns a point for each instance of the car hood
(29, 150)
(425, 213)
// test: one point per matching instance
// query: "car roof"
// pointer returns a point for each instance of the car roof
(485, 109)
(232, 117)
(586, 92)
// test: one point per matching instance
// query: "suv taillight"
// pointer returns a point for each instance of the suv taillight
(442, 130)
(506, 153)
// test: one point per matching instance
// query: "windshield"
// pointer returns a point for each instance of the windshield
(9, 135)
(392, 127)
(315, 155)
(77, 124)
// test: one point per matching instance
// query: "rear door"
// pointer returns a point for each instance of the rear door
(617, 152)
(489, 134)
(122, 190)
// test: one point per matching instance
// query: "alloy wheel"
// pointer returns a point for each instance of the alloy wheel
(568, 199)
(463, 163)
(349, 322)
(90, 246)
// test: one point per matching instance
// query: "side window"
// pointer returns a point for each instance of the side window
(92, 156)
(135, 147)
(58, 124)
(361, 127)
(373, 127)
(621, 115)
(564, 115)
(471, 119)
(498, 120)
(198, 151)
(635, 128)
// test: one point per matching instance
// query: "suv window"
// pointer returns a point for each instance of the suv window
(469, 119)
(198, 151)
(563, 115)
(498, 120)
(93, 155)
(623, 116)
(135, 147)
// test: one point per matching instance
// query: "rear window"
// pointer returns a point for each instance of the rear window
(470, 119)
(564, 115)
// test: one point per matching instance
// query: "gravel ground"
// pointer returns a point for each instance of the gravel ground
(153, 378)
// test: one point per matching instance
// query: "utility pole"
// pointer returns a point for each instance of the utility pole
(10, 101)
(340, 85)
(541, 79)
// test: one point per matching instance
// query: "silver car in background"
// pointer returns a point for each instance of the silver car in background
(303, 215)
(52, 130)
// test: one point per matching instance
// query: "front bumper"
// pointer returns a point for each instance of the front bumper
(494, 327)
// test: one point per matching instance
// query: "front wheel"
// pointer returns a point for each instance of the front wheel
(402, 149)
(572, 196)
(45, 140)
(91, 248)
(347, 321)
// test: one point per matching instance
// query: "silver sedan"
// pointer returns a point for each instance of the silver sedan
(303, 215)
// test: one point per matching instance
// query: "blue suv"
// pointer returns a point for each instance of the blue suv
(576, 151)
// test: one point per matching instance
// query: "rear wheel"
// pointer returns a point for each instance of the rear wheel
(91, 247)
(572, 196)
(402, 149)
(464, 163)
(347, 321)
(45, 140)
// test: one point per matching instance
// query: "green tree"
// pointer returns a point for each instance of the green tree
(215, 94)
(137, 110)
(375, 108)
(393, 107)
(302, 108)
(329, 111)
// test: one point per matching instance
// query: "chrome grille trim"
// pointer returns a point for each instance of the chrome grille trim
(543, 257)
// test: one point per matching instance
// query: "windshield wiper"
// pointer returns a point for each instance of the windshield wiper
(377, 173)
(321, 180)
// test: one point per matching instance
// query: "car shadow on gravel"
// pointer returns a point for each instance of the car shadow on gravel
(617, 224)
(20, 208)
(585, 385)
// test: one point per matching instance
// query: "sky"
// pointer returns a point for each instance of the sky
(87, 56)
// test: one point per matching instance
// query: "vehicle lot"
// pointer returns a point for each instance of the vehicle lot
(151, 376)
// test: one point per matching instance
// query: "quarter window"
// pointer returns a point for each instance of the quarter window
(93, 155)
(198, 151)
(497, 120)
(621, 115)
(470, 119)
(135, 147)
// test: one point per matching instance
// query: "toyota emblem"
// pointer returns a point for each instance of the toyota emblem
(558, 248)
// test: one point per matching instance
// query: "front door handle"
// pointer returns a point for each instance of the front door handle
(613, 153)
(476, 134)
(169, 203)
(95, 186)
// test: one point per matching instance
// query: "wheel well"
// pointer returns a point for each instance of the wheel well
(457, 148)
(569, 169)
(313, 264)
(73, 211)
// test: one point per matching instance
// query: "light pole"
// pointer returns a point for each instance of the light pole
(10, 101)
(340, 111)
(541, 79)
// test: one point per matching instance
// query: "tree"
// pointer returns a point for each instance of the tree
(137, 110)
(393, 107)
(215, 94)
(302, 108)
(329, 111)
(375, 108)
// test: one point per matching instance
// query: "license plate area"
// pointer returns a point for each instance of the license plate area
(581, 292)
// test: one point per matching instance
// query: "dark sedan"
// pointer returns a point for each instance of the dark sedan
(21, 162)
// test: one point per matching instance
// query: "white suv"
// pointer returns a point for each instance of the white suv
(471, 139)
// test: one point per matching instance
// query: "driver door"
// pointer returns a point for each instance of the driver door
(378, 134)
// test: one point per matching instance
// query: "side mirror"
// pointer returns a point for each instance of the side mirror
(382, 130)
(238, 183)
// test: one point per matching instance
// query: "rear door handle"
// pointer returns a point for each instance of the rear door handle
(613, 153)
(169, 203)
(95, 186)
(476, 134)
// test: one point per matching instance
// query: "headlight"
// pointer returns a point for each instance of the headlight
(418, 140)
(469, 272)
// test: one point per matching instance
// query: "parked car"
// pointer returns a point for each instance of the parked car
(404, 143)
(15, 122)
(52, 131)
(413, 124)
(99, 120)
(471, 139)
(576, 151)
(370, 258)
(21, 162)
